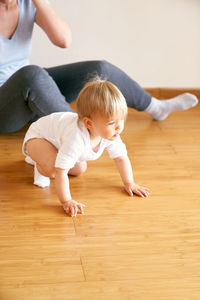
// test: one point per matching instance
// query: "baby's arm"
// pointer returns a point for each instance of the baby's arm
(125, 169)
(63, 191)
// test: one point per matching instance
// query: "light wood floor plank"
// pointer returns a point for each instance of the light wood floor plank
(165, 289)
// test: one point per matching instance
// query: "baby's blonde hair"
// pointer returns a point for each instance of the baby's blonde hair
(100, 96)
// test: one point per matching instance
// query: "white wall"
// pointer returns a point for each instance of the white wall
(157, 42)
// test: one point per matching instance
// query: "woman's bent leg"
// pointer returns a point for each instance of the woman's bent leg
(29, 91)
(71, 78)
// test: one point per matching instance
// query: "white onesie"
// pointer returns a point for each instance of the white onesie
(72, 139)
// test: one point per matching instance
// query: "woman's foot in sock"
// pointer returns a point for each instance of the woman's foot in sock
(39, 179)
(160, 109)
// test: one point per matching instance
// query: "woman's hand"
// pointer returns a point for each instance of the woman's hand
(133, 188)
(72, 207)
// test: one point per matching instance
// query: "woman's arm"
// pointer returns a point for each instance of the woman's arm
(54, 26)
(63, 191)
(125, 169)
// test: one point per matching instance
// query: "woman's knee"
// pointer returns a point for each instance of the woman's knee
(102, 67)
(32, 74)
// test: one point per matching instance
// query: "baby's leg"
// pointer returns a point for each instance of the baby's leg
(78, 169)
(43, 153)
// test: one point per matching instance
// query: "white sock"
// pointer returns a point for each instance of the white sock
(29, 160)
(39, 179)
(160, 109)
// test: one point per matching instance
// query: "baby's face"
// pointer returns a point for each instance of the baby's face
(108, 127)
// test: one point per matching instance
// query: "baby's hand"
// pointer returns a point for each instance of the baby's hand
(136, 189)
(72, 207)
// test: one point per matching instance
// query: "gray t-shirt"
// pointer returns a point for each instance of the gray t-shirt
(15, 52)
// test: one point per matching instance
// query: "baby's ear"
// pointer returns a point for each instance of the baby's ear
(87, 122)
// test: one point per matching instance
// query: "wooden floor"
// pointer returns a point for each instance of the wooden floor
(123, 247)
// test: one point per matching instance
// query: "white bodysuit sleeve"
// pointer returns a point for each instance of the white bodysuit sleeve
(64, 161)
(116, 148)
(69, 153)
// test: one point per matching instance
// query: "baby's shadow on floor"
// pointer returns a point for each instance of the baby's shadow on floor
(15, 172)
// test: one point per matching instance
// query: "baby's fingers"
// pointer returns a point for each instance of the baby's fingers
(69, 209)
(74, 209)
(66, 209)
(138, 192)
(142, 191)
(129, 191)
(80, 207)
(146, 192)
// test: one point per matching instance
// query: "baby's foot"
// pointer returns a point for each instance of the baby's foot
(39, 179)
(29, 160)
